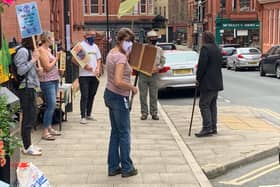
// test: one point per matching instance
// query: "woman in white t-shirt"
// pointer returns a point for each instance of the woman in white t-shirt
(87, 76)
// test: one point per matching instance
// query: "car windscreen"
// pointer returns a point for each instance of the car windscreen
(249, 51)
(181, 57)
(228, 50)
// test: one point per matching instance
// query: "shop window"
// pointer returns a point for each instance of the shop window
(143, 6)
(244, 5)
(94, 6)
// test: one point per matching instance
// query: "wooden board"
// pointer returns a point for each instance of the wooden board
(148, 60)
(136, 55)
(142, 58)
(62, 61)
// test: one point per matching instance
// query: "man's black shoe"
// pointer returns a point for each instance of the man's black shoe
(116, 172)
(155, 117)
(204, 133)
(131, 173)
(144, 117)
(214, 131)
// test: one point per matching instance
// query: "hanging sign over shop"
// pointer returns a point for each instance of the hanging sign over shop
(28, 19)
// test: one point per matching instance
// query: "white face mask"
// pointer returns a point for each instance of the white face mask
(126, 46)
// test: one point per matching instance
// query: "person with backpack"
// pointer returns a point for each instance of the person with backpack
(49, 84)
(25, 62)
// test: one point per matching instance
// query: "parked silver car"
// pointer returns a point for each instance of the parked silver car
(179, 69)
(244, 58)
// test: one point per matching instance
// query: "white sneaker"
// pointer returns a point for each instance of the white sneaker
(37, 148)
(83, 121)
(32, 151)
(91, 118)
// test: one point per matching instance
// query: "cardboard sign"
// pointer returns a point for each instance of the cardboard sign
(143, 57)
(28, 19)
(80, 55)
(136, 55)
(62, 61)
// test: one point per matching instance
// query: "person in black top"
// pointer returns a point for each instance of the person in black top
(210, 81)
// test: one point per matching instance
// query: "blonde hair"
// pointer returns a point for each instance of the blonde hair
(45, 36)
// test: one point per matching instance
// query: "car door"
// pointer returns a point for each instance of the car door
(271, 61)
(276, 58)
(266, 61)
(231, 58)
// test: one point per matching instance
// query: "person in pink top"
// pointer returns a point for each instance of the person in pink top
(48, 83)
(116, 98)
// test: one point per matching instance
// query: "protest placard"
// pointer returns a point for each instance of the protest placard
(142, 58)
(80, 55)
(62, 61)
(28, 19)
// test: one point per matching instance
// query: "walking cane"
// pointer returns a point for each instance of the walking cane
(132, 95)
(194, 100)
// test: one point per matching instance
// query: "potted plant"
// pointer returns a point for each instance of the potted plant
(9, 141)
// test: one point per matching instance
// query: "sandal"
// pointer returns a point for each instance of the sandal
(48, 137)
(54, 132)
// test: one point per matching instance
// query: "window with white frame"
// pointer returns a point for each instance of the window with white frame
(233, 4)
(85, 7)
(151, 7)
(136, 9)
(143, 6)
(164, 11)
(244, 5)
(104, 6)
(94, 6)
(155, 10)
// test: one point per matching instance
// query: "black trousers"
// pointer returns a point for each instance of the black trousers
(208, 109)
(88, 88)
(28, 106)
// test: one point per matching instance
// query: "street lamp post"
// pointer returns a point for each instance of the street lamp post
(107, 24)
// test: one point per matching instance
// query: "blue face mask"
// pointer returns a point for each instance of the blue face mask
(90, 40)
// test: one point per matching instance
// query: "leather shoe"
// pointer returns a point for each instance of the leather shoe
(214, 131)
(204, 133)
(155, 117)
(116, 172)
(144, 117)
(131, 173)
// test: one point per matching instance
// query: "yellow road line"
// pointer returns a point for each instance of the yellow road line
(253, 174)
(270, 112)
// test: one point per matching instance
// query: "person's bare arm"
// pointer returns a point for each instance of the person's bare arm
(119, 82)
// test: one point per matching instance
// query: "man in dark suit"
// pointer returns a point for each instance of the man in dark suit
(210, 81)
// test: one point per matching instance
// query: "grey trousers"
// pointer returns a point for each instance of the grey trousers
(208, 109)
(146, 84)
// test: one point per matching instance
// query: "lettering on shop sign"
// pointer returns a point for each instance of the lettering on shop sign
(28, 19)
(241, 25)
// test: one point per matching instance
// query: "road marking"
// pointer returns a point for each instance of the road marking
(227, 101)
(277, 185)
(269, 112)
(253, 174)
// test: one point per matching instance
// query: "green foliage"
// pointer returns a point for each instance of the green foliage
(7, 122)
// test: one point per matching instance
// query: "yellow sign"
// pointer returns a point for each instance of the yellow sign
(3, 77)
(62, 61)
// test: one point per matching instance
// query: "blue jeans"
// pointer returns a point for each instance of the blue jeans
(49, 90)
(119, 146)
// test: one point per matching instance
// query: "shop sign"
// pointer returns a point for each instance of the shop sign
(239, 25)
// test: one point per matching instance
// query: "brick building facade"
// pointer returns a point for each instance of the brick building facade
(232, 21)
(269, 15)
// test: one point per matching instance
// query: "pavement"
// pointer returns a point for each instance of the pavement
(162, 150)
(78, 158)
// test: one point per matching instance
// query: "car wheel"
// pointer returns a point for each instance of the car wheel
(278, 71)
(228, 68)
(262, 73)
